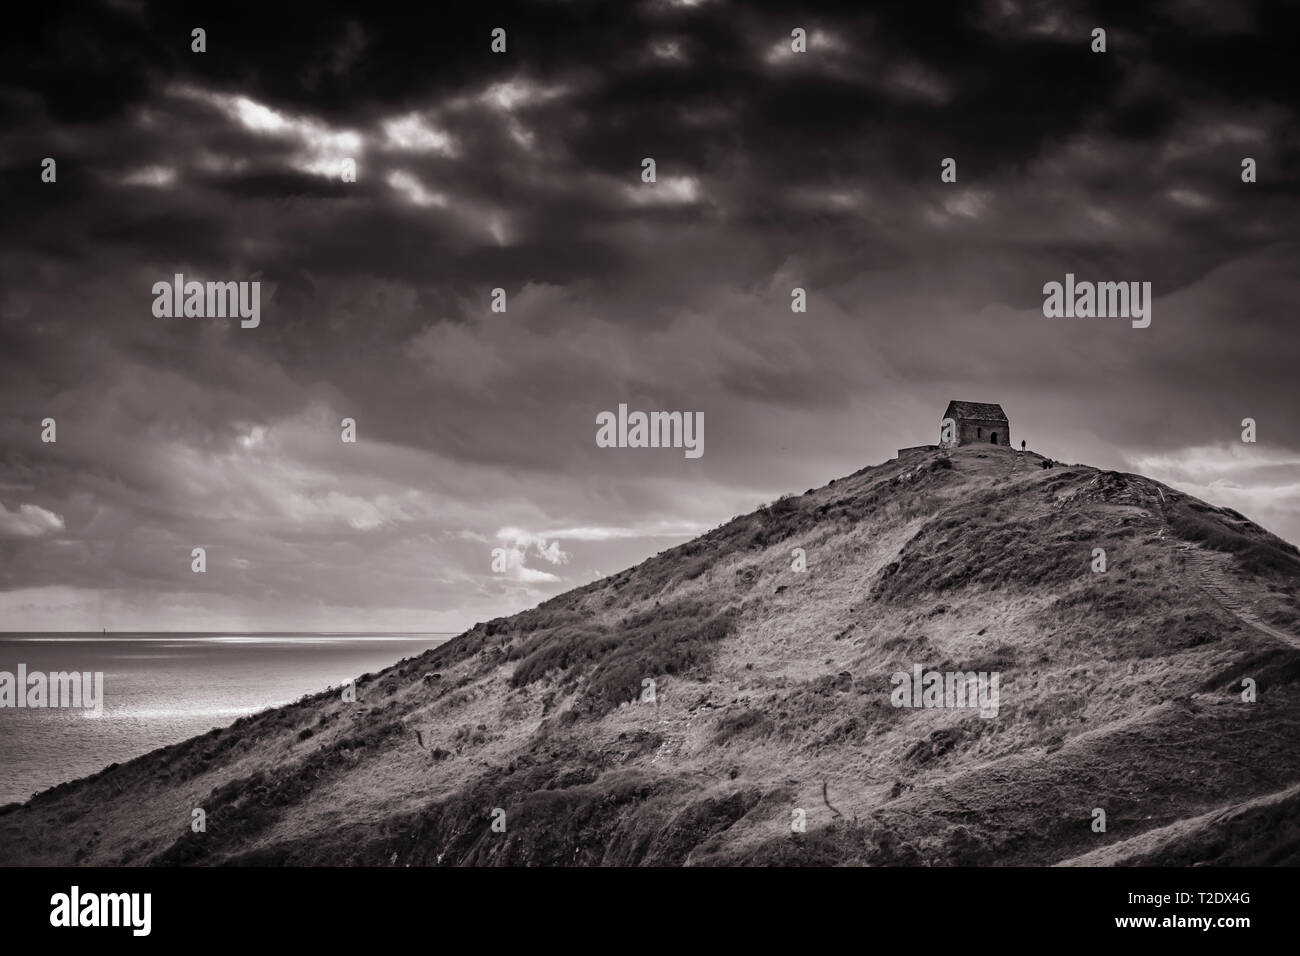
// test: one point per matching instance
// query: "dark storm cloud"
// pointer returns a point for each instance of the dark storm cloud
(522, 171)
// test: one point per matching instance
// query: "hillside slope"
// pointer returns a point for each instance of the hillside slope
(1120, 691)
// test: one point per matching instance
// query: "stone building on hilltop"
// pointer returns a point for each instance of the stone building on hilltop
(975, 423)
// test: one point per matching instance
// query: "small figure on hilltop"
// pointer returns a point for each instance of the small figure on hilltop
(1022, 444)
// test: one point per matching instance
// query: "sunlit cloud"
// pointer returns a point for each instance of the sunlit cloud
(321, 149)
(413, 190)
(28, 521)
(515, 546)
(412, 133)
(668, 191)
(156, 176)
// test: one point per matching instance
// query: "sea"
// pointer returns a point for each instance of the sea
(159, 689)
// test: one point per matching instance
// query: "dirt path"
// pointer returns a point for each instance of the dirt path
(1218, 584)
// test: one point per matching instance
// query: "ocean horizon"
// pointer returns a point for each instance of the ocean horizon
(162, 687)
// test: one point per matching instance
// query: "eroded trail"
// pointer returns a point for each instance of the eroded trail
(1219, 585)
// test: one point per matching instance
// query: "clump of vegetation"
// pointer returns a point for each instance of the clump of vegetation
(749, 723)
(470, 736)
(975, 545)
(786, 504)
(667, 640)
(1000, 658)
(1283, 617)
(1255, 549)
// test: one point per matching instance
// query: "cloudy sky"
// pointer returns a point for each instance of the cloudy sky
(522, 171)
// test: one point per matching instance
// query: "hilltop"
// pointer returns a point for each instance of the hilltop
(1120, 690)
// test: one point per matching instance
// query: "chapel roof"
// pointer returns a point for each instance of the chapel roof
(983, 411)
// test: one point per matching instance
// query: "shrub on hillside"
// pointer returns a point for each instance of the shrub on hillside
(653, 645)
(750, 723)
(669, 640)
(989, 552)
(786, 504)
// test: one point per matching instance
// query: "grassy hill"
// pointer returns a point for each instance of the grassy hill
(1120, 691)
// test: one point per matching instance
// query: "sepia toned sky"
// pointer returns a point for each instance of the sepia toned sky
(521, 170)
